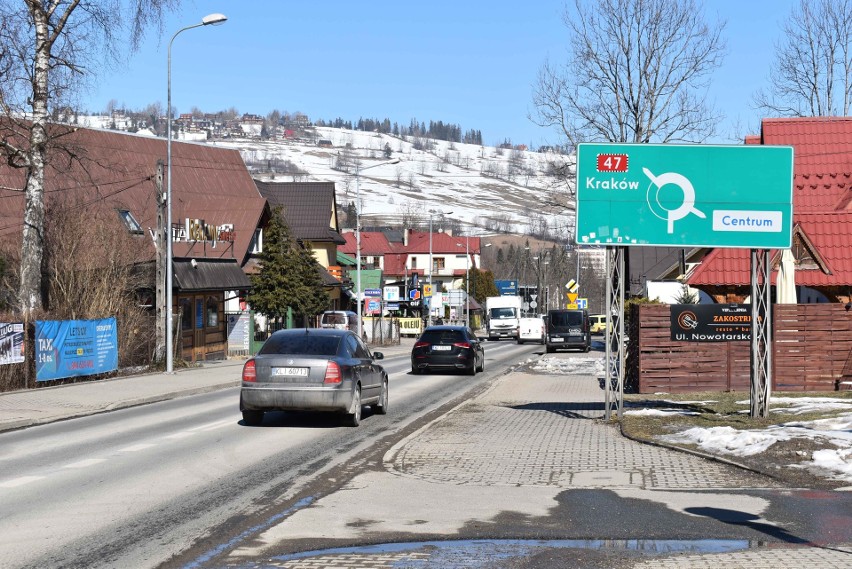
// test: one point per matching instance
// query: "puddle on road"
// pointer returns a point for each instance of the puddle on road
(465, 554)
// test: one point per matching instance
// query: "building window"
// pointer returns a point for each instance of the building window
(130, 221)
(256, 245)
(212, 311)
(413, 263)
(437, 264)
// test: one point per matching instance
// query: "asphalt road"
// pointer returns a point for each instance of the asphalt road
(140, 487)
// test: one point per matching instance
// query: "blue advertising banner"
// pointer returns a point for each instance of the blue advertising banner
(507, 288)
(11, 343)
(71, 348)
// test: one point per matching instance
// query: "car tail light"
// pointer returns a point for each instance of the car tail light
(249, 371)
(462, 344)
(421, 344)
(332, 373)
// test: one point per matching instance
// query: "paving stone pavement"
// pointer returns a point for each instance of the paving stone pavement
(521, 433)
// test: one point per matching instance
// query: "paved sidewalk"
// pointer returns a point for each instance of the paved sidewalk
(31, 407)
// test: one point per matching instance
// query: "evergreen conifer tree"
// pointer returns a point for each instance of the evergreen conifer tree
(288, 275)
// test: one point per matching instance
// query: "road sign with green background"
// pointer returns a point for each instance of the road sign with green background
(685, 195)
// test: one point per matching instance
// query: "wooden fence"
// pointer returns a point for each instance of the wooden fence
(811, 351)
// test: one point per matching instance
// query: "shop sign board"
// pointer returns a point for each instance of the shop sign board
(710, 322)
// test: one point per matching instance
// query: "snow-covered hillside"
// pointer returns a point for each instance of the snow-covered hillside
(485, 188)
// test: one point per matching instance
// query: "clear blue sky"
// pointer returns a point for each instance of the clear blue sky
(469, 62)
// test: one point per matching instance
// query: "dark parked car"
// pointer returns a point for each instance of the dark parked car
(568, 329)
(313, 369)
(448, 347)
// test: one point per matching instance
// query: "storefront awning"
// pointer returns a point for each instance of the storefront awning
(209, 274)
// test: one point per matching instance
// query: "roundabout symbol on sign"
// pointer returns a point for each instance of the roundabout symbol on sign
(685, 208)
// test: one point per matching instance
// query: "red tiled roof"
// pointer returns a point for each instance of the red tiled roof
(829, 232)
(442, 243)
(822, 144)
(372, 244)
(822, 159)
(822, 192)
(376, 243)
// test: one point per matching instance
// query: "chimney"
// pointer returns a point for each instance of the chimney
(405, 237)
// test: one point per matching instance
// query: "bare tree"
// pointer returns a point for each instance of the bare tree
(812, 72)
(411, 214)
(48, 48)
(637, 71)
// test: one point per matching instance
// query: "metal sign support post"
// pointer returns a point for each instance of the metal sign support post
(615, 355)
(761, 326)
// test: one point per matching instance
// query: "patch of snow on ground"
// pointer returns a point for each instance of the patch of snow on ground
(569, 365)
(801, 405)
(836, 431)
(660, 412)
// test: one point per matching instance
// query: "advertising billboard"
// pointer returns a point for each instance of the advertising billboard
(71, 348)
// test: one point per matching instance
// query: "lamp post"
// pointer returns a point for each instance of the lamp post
(467, 280)
(432, 212)
(210, 19)
(358, 291)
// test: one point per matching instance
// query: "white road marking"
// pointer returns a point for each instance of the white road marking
(137, 448)
(216, 425)
(181, 435)
(85, 463)
(15, 482)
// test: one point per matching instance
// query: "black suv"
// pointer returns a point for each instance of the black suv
(568, 329)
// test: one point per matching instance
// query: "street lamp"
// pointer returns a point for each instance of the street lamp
(209, 20)
(358, 236)
(432, 212)
(467, 280)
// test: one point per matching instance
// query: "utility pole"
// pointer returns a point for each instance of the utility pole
(160, 244)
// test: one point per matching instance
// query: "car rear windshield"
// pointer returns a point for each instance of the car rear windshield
(569, 318)
(442, 336)
(307, 344)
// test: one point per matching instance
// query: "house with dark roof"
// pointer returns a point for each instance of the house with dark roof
(822, 216)
(216, 215)
(310, 211)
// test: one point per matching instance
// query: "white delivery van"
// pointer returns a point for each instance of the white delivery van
(340, 319)
(531, 330)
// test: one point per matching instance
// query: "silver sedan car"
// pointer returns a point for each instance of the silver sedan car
(313, 369)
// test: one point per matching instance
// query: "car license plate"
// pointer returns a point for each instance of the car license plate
(291, 371)
(556, 339)
(442, 348)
